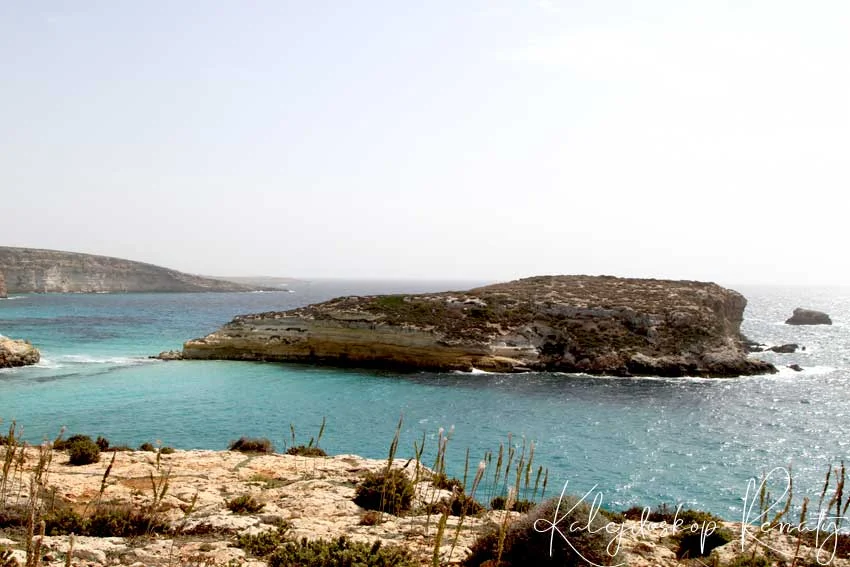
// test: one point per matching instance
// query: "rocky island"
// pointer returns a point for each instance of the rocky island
(576, 324)
(808, 317)
(30, 270)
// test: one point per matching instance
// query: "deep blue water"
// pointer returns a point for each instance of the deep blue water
(642, 441)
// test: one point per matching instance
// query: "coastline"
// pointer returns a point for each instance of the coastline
(313, 497)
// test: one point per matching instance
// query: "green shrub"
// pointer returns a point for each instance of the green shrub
(339, 553)
(669, 514)
(147, 447)
(523, 506)
(6, 557)
(263, 544)
(108, 520)
(459, 505)
(245, 504)
(386, 492)
(13, 516)
(747, 560)
(102, 443)
(252, 445)
(64, 521)
(83, 452)
(167, 451)
(524, 544)
(443, 482)
(64, 444)
(306, 451)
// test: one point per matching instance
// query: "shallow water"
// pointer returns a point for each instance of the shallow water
(641, 441)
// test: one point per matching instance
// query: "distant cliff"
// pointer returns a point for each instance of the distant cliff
(29, 270)
(2, 286)
(595, 325)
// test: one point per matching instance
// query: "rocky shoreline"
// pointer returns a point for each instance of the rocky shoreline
(312, 496)
(574, 324)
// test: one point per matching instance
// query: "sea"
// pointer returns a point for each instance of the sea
(702, 443)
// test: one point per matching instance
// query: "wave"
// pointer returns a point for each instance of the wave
(78, 359)
(474, 371)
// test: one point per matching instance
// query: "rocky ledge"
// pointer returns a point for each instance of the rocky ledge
(191, 492)
(596, 325)
(17, 353)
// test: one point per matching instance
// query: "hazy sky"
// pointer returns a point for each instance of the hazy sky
(462, 139)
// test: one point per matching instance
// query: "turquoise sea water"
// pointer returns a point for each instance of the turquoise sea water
(640, 441)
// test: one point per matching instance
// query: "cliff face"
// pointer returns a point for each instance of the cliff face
(29, 270)
(597, 325)
(2, 286)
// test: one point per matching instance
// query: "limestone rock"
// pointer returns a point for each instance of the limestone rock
(314, 495)
(808, 317)
(3, 291)
(169, 355)
(595, 325)
(17, 353)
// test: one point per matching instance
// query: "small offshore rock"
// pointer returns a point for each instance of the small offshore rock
(795, 367)
(169, 355)
(785, 349)
(808, 317)
(17, 353)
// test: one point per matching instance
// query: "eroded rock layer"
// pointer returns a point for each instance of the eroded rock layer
(590, 324)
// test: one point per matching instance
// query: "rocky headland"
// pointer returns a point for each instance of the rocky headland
(17, 353)
(576, 324)
(29, 270)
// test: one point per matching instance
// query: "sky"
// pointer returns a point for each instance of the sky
(481, 140)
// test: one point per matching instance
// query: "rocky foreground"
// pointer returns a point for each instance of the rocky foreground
(30, 270)
(314, 495)
(17, 353)
(595, 325)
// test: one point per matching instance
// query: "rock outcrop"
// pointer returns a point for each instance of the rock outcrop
(29, 270)
(169, 355)
(808, 317)
(790, 348)
(17, 353)
(595, 325)
(314, 497)
(3, 292)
